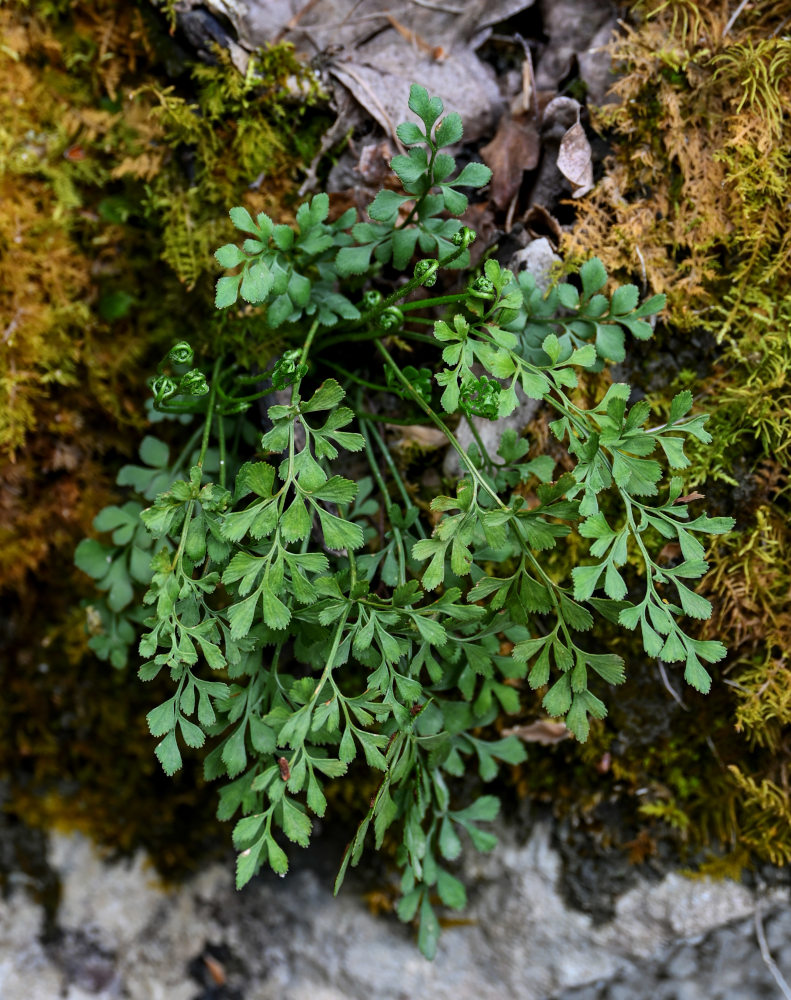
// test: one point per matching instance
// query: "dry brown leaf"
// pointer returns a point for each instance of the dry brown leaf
(574, 160)
(558, 115)
(541, 223)
(417, 435)
(216, 970)
(516, 147)
(377, 53)
(542, 731)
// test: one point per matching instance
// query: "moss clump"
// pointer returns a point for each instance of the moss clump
(694, 203)
(118, 158)
(239, 134)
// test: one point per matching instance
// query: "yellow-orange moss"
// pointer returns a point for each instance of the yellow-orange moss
(694, 204)
(103, 234)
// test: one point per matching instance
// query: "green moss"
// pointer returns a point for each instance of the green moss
(234, 130)
(118, 158)
(695, 201)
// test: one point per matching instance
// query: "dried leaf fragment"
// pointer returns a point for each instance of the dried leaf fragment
(541, 223)
(541, 731)
(516, 147)
(216, 970)
(574, 160)
(417, 436)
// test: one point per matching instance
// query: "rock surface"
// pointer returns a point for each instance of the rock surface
(120, 934)
(724, 964)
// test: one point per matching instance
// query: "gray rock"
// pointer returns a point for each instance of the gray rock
(683, 963)
(595, 65)
(574, 23)
(489, 432)
(121, 934)
(722, 964)
(538, 258)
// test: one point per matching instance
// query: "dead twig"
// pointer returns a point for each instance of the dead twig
(443, 8)
(529, 91)
(766, 955)
(732, 18)
(343, 126)
(642, 268)
(348, 71)
(715, 753)
(509, 219)
(378, 15)
(414, 39)
(12, 327)
(671, 690)
(294, 21)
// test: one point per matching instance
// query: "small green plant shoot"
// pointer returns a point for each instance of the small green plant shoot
(316, 615)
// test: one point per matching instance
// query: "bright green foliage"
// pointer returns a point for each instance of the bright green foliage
(116, 568)
(310, 623)
(293, 273)
(429, 190)
(588, 315)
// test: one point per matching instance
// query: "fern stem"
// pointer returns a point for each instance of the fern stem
(344, 338)
(185, 451)
(435, 418)
(221, 443)
(396, 476)
(304, 356)
(383, 418)
(484, 453)
(356, 378)
(439, 300)
(383, 489)
(330, 657)
(430, 170)
(411, 285)
(209, 411)
(308, 341)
